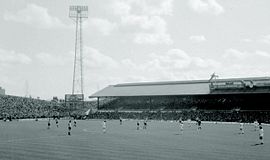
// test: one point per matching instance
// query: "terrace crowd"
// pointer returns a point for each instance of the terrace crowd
(22, 107)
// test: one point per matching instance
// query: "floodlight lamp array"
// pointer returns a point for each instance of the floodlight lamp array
(78, 11)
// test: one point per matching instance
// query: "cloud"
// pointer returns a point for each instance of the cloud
(262, 39)
(156, 7)
(263, 54)
(147, 21)
(36, 16)
(197, 38)
(175, 59)
(174, 64)
(247, 40)
(93, 58)
(171, 65)
(152, 38)
(265, 39)
(154, 23)
(102, 25)
(121, 8)
(144, 7)
(234, 53)
(12, 57)
(234, 59)
(206, 6)
(52, 59)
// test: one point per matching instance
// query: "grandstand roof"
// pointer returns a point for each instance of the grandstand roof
(166, 88)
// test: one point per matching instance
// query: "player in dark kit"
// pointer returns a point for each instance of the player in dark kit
(69, 127)
(199, 122)
(138, 125)
(49, 123)
(75, 123)
(120, 121)
(144, 124)
(56, 122)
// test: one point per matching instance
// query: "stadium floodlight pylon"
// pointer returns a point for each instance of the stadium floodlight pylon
(78, 13)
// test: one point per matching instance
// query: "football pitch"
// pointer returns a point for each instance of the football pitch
(31, 140)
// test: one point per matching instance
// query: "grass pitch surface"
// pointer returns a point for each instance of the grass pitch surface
(30, 140)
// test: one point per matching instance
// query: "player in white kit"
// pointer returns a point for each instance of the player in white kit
(104, 126)
(189, 122)
(256, 125)
(181, 126)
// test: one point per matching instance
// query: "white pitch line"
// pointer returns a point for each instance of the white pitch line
(24, 139)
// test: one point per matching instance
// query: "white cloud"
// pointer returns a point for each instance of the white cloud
(197, 38)
(172, 65)
(263, 54)
(152, 38)
(234, 59)
(102, 25)
(173, 59)
(52, 59)
(206, 6)
(121, 8)
(262, 39)
(247, 40)
(150, 26)
(234, 53)
(156, 7)
(36, 16)
(144, 7)
(206, 63)
(176, 59)
(265, 39)
(154, 23)
(175, 64)
(8, 57)
(93, 58)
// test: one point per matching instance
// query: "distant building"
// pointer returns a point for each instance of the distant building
(2, 91)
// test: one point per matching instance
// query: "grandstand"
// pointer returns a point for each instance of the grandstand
(240, 95)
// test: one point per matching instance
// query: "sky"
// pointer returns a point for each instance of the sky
(130, 41)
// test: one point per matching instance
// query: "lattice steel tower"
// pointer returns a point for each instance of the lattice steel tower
(78, 14)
